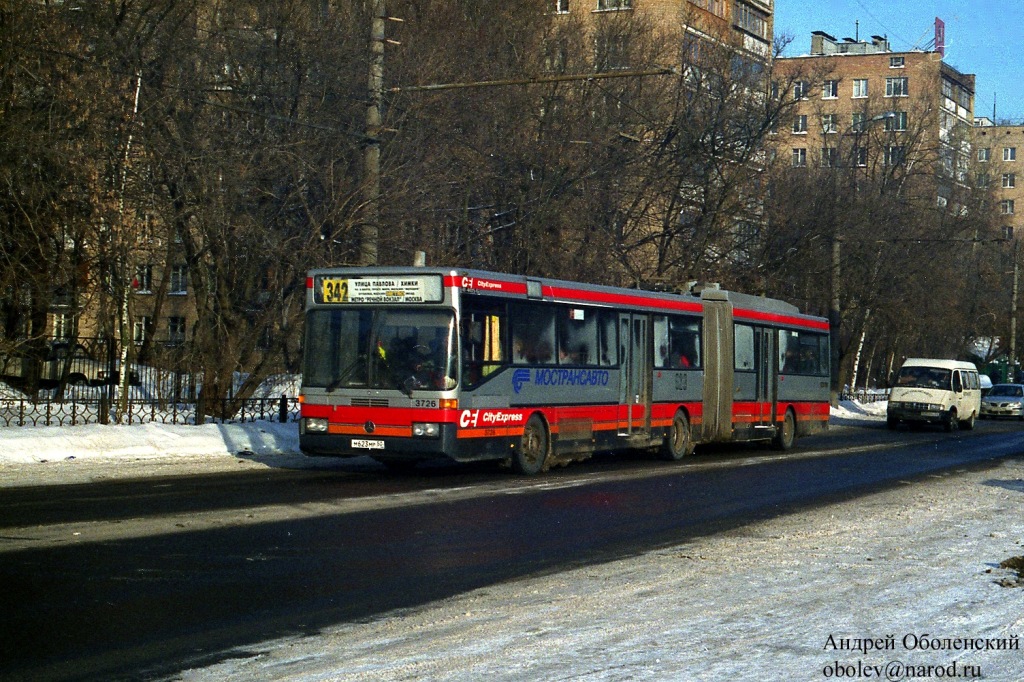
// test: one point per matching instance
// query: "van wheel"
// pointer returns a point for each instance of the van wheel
(951, 422)
(677, 443)
(968, 424)
(532, 454)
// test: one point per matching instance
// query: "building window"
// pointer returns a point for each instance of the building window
(860, 87)
(555, 56)
(1007, 232)
(829, 123)
(800, 123)
(829, 157)
(897, 62)
(896, 87)
(176, 330)
(139, 329)
(860, 156)
(612, 52)
(857, 122)
(143, 279)
(1009, 180)
(830, 90)
(716, 7)
(799, 157)
(801, 89)
(614, 4)
(750, 19)
(562, 6)
(894, 155)
(1009, 153)
(896, 122)
(1006, 206)
(179, 280)
(983, 180)
(62, 324)
(985, 154)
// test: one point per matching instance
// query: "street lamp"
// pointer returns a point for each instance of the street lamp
(835, 312)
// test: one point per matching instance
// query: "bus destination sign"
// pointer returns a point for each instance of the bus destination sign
(380, 289)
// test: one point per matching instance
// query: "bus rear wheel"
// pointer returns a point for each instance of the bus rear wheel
(677, 443)
(532, 453)
(785, 434)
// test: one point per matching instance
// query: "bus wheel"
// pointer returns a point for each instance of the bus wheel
(785, 436)
(532, 454)
(950, 422)
(678, 443)
(968, 424)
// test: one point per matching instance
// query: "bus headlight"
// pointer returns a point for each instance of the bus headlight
(425, 430)
(316, 425)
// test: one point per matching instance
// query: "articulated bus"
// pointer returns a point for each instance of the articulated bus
(404, 364)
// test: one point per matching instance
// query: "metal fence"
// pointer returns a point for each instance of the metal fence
(75, 411)
(79, 383)
(871, 395)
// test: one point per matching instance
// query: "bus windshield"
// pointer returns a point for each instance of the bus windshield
(404, 349)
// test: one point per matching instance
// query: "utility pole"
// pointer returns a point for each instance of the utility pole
(371, 225)
(1013, 311)
(835, 318)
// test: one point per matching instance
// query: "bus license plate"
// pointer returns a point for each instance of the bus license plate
(367, 444)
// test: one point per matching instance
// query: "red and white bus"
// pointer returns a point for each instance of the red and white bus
(404, 364)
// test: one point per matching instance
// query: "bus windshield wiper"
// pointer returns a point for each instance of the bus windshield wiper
(345, 374)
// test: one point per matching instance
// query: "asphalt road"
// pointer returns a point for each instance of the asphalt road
(140, 579)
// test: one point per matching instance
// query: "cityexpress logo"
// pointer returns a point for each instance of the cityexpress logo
(560, 377)
(475, 418)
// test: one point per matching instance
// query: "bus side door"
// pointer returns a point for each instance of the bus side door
(766, 377)
(635, 374)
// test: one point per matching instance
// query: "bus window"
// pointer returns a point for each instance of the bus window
(607, 342)
(577, 337)
(803, 353)
(660, 330)
(684, 343)
(483, 341)
(744, 348)
(533, 334)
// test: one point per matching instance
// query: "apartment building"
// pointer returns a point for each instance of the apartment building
(859, 103)
(999, 158)
(744, 25)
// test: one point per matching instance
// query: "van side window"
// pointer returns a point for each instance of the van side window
(958, 386)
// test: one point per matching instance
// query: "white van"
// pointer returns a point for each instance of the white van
(946, 392)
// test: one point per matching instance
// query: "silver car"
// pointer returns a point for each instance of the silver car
(1004, 400)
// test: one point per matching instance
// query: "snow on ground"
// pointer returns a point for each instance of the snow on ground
(901, 584)
(911, 573)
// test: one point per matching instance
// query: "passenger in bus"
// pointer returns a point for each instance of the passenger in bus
(541, 353)
(568, 357)
(789, 365)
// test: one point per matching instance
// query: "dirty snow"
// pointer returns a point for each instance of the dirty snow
(846, 591)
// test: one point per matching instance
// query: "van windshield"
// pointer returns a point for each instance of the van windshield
(925, 377)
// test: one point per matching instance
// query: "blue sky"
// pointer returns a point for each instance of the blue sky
(983, 37)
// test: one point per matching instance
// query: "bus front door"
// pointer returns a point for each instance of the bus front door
(635, 382)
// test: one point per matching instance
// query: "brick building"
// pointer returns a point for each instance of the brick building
(745, 25)
(999, 158)
(860, 104)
